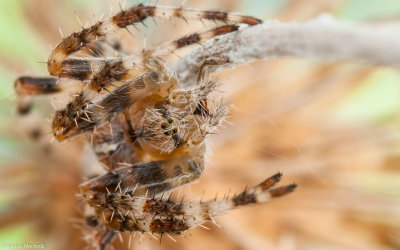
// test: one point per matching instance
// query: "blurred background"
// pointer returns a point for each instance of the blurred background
(332, 128)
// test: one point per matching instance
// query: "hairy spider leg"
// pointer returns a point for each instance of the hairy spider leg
(117, 71)
(140, 180)
(27, 86)
(67, 122)
(87, 68)
(112, 145)
(160, 215)
(135, 14)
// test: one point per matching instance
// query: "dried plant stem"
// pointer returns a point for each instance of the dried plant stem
(323, 38)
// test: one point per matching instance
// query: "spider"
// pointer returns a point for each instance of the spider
(148, 130)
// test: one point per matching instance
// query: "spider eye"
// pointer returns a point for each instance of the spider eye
(163, 126)
(170, 121)
(193, 166)
(174, 131)
(154, 76)
(167, 133)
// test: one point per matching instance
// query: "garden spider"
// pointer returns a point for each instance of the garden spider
(145, 127)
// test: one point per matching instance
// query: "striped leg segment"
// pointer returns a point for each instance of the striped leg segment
(79, 116)
(112, 145)
(104, 48)
(126, 212)
(135, 14)
(87, 68)
(145, 180)
(26, 85)
(115, 71)
(140, 179)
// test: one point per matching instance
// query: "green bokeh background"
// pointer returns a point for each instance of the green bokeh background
(378, 100)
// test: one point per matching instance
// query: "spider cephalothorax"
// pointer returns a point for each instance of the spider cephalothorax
(144, 126)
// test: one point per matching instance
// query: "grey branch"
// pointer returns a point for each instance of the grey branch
(323, 38)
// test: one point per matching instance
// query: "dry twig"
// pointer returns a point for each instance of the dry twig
(324, 38)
